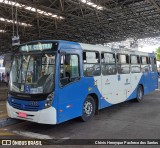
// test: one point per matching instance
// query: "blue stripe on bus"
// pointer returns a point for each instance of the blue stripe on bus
(146, 85)
(26, 105)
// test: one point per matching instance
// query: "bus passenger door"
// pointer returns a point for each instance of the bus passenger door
(110, 87)
(124, 77)
(91, 67)
(73, 87)
(70, 89)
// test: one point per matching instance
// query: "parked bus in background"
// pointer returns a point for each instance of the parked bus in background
(55, 81)
(7, 62)
(2, 71)
(2, 68)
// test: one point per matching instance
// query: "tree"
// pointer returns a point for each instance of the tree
(158, 54)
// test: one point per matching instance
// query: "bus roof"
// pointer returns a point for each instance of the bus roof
(108, 49)
(75, 45)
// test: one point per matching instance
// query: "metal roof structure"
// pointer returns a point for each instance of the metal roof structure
(87, 21)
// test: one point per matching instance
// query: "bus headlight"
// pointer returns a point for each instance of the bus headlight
(49, 100)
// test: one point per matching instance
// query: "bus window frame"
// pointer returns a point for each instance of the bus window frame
(147, 59)
(139, 63)
(99, 62)
(154, 62)
(108, 64)
(36, 96)
(63, 53)
(119, 62)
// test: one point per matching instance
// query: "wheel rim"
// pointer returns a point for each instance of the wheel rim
(88, 108)
(140, 94)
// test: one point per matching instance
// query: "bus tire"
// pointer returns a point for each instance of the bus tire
(88, 110)
(139, 93)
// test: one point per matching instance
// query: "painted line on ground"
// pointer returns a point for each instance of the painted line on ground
(6, 134)
(32, 135)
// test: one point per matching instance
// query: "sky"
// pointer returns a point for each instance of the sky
(149, 48)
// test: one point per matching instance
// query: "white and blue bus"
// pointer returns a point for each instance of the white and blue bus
(55, 81)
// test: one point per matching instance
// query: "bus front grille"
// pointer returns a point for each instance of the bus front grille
(24, 107)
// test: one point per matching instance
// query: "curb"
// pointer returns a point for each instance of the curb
(8, 121)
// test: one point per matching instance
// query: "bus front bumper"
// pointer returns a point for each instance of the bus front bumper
(45, 116)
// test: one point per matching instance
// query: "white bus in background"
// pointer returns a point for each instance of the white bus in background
(2, 68)
(7, 62)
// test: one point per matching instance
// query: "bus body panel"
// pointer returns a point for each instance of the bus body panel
(125, 88)
(153, 81)
(34, 110)
(44, 116)
(69, 103)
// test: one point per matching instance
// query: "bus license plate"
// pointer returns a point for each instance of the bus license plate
(23, 115)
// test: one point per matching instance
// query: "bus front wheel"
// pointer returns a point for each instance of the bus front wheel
(139, 93)
(89, 108)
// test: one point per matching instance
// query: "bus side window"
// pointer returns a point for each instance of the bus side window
(135, 64)
(144, 64)
(153, 65)
(123, 64)
(108, 61)
(91, 63)
(69, 69)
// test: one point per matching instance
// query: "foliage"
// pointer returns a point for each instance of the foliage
(158, 54)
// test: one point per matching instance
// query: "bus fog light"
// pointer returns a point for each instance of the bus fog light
(49, 100)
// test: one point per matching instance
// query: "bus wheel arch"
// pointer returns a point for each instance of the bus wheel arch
(95, 97)
(89, 107)
(140, 93)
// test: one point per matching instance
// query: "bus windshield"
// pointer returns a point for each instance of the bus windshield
(32, 73)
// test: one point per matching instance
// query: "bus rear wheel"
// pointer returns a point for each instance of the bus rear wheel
(89, 108)
(139, 93)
